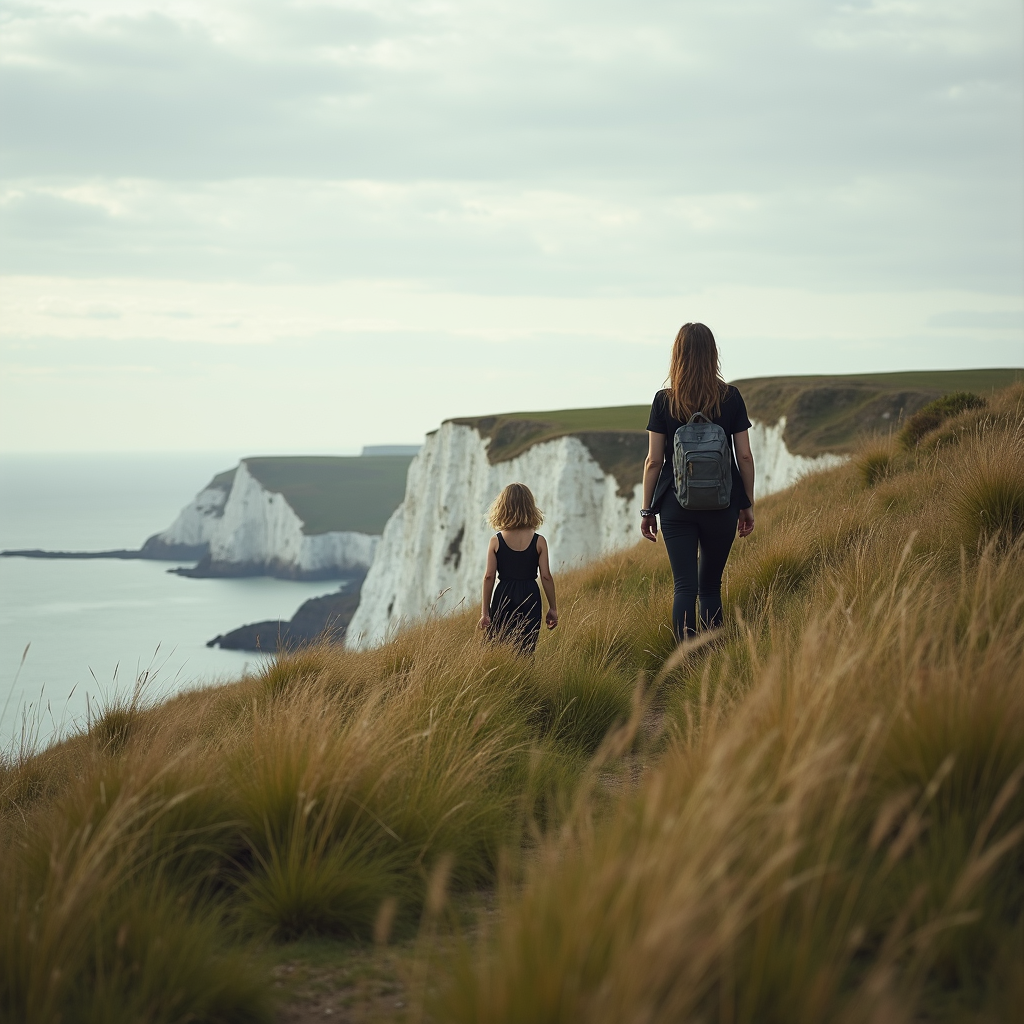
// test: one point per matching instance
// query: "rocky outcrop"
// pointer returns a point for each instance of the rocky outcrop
(432, 552)
(320, 617)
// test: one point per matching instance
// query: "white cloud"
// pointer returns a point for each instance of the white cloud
(833, 184)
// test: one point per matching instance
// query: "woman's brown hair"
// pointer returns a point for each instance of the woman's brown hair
(515, 509)
(695, 381)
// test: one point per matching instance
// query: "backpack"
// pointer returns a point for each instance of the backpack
(702, 460)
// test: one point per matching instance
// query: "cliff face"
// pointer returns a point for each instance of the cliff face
(246, 529)
(432, 552)
(431, 556)
(197, 523)
(775, 466)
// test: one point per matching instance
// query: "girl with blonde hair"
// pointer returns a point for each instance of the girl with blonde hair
(698, 541)
(512, 610)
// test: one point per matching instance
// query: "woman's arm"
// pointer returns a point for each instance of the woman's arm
(745, 461)
(489, 576)
(652, 470)
(548, 582)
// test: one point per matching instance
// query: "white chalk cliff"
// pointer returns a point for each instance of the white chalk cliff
(775, 466)
(198, 522)
(431, 556)
(248, 528)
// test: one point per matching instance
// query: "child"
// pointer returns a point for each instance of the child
(515, 554)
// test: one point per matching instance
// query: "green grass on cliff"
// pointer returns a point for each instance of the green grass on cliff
(616, 436)
(336, 493)
(816, 814)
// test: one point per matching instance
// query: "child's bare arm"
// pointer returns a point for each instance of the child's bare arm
(548, 583)
(490, 573)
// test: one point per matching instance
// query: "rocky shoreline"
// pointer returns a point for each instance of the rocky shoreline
(148, 552)
(208, 568)
(205, 567)
(324, 617)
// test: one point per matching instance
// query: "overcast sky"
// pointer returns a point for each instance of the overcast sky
(273, 226)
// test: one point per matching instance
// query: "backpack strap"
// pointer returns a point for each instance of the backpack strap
(701, 415)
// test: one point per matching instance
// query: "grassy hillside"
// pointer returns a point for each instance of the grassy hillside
(815, 814)
(829, 414)
(334, 493)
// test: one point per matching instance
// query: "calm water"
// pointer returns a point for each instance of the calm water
(91, 627)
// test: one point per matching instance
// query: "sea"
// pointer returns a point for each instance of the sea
(74, 634)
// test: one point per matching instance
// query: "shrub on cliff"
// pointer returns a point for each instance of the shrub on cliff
(934, 413)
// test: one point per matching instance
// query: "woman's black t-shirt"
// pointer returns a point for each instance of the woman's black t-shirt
(732, 418)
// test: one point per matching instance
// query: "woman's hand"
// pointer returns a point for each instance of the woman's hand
(485, 621)
(649, 528)
(746, 523)
(551, 618)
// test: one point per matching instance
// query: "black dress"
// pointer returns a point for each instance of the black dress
(515, 605)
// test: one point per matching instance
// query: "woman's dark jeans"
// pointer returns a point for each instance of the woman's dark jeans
(698, 545)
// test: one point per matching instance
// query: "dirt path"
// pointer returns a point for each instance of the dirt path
(339, 981)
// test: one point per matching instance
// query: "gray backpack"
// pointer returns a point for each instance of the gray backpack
(702, 460)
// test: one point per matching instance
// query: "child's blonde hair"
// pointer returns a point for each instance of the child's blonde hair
(515, 509)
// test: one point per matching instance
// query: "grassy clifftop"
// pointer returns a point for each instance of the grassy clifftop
(815, 814)
(335, 493)
(823, 413)
(221, 482)
(616, 436)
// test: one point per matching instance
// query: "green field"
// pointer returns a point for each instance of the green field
(511, 433)
(335, 493)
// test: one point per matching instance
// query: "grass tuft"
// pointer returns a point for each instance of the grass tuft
(986, 487)
(877, 459)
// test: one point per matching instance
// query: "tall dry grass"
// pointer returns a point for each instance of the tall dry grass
(844, 840)
(811, 813)
(834, 828)
(312, 798)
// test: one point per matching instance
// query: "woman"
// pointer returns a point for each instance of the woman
(698, 542)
